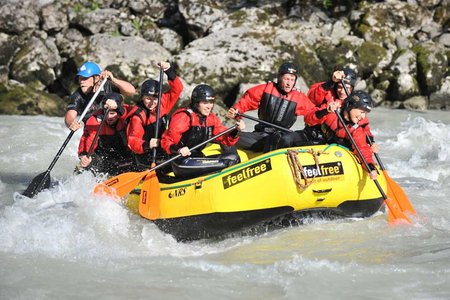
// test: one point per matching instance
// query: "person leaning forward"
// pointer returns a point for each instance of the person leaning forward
(111, 154)
(191, 126)
(278, 103)
(89, 77)
(354, 114)
(329, 95)
(142, 126)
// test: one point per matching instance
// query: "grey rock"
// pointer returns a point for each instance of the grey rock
(416, 103)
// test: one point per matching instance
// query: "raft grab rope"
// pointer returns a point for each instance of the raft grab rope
(297, 168)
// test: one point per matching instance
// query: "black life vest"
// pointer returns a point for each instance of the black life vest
(276, 109)
(198, 132)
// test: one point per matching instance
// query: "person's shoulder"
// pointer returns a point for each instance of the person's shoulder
(76, 95)
(298, 93)
(259, 86)
(182, 113)
(95, 118)
(364, 122)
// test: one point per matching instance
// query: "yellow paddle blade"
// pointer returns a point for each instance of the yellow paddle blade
(120, 185)
(395, 215)
(398, 194)
(150, 197)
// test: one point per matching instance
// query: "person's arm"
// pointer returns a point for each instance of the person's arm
(135, 136)
(69, 118)
(359, 135)
(171, 97)
(317, 94)
(304, 105)
(317, 115)
(251, 99)
(86, 141)
(179, 124)
(229, 139)
(125, 88)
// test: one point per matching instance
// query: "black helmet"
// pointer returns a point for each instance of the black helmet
(287, 68)
(202, 92)
(117, 98)
(350, 76)
(150, 87)
(358, 99)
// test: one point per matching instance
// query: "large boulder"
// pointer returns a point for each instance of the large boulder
(37, 62)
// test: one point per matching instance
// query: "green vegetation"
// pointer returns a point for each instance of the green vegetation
(327, 4)
(82, 9)
(369, 55)
(136, 25)
(20, 100)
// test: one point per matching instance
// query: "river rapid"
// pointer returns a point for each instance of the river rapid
(67, 244)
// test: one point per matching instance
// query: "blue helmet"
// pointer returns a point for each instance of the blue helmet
(89, 69)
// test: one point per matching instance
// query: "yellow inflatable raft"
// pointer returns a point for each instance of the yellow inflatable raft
(265, 189)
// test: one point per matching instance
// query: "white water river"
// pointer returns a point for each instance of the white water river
(66, 244)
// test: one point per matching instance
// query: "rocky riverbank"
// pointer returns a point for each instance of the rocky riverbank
(400, 49)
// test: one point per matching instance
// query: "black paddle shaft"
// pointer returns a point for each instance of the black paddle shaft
(97, 134)
(158, 111)
(366, 165)
(38, 182)
(367, 135)
(195, 147)
(264, 122)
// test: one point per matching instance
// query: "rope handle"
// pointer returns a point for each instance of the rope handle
(297, 168)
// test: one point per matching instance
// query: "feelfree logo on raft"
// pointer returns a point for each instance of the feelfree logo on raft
(246, 173)
(332, 170)
(323, 170)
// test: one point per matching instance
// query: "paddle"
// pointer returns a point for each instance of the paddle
(149, 207)
(42, 181)
(396, 214)
(158, 111)
(394, 190)
(122, 184)
(263, 122)
(79, 168)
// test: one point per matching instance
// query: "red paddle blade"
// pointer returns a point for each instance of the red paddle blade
(395, 215)
(119, 185)
(150, 197)
(398, 194)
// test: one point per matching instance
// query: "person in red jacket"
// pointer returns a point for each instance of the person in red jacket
(354, 113)
(191, 126)
(110, 152)
(332, 89)
(277, 103)
(329, 94)
(142, 126)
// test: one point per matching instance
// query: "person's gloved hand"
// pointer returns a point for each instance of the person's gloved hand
(337, 76)
(165, 65)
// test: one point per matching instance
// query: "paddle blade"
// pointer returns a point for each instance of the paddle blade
(39, 183)
(395, 215)
(399, 195)
(150, 197)
(119, 185)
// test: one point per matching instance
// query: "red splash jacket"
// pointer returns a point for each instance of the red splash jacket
(111, 137)
(141, 126)
(187, 129)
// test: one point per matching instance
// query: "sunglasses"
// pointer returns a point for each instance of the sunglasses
(208, 100)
